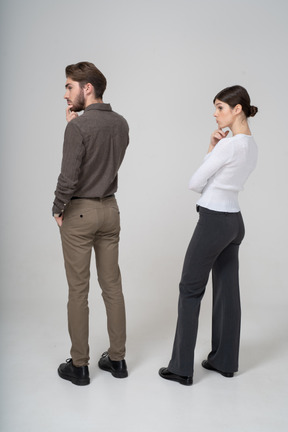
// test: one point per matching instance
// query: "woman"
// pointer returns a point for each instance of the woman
(215, 242)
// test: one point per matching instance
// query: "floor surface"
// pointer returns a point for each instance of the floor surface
(34, 398)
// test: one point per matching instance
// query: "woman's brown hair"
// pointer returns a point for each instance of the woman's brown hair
(237, 95)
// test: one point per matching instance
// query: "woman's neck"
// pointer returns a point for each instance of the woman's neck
(240, 127)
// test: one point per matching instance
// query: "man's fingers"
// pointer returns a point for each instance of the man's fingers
(70, 115)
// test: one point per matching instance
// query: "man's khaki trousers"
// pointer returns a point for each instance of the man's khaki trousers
(93, 224)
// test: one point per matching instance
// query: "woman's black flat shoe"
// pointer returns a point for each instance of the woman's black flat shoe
(166, 374)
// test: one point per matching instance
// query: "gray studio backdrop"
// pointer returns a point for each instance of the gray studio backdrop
(164, 60)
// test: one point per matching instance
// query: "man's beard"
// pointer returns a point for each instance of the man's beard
(79, 102)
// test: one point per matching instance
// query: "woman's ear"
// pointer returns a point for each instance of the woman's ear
(238, 109)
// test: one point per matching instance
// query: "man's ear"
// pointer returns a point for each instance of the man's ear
(89, 89)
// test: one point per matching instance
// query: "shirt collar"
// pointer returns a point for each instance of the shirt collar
(99, 106)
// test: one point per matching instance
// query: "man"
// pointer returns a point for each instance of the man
(86, 211)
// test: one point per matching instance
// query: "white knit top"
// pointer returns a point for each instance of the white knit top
(223, 173)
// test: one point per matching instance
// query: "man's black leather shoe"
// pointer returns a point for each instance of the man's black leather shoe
(117, 368)
(207, 365)
(77, 375)
(166, 374)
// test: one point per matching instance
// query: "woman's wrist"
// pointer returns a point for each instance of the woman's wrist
(211, 147)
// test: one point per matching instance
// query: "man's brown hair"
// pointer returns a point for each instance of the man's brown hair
(84, 73)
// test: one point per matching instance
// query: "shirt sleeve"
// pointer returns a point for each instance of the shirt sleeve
(213, 161)
(73, 152)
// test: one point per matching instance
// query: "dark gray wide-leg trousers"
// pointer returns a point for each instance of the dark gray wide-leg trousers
(214, 246)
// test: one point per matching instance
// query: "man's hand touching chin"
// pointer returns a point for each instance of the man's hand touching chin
(70, 115)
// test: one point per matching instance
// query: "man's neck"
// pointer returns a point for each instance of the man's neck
(91, 101)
